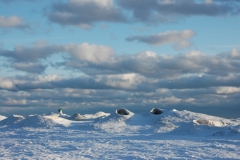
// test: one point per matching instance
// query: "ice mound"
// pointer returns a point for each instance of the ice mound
(123, 111)
(116, 122)
(77, 117)
(156, 111)
(85, 117)
(37, 121)
(189, 123)
(2, 117)
(101, 115)
(12, 120)
(209, 122)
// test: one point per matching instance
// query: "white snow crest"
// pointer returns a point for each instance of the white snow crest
(2, 117)
(11, 120)
(37, 121)
(172, 134)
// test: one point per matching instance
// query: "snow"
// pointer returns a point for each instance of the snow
(2, 117)
(172, 134)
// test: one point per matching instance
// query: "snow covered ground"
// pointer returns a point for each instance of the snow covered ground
(170, 135)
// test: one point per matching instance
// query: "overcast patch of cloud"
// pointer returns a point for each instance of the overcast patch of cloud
(90, 52)
(12, 22)
(235, 54)
(98, 59)
(31, 54)
(30, 67)
(178, 38)
(142, 79)
(154, 11)
(84, 13)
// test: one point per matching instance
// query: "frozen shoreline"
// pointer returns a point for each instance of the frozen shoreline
(171, 135)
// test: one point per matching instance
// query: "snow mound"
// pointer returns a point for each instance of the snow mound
(77, 117)
(123, 111)
(116, 122)
(12, 120)
(2, 117)
(156, 111)
(101, 115)
(37, 121)
(209, 122)
(85, 117)
(189, 123)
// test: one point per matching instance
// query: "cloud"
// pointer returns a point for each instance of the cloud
(155, 11)
(30, 67)
(84, 14)
(235, 53)
(228, 90)
(90, 53)
(6, 84)
(31, 54)
(109, 79)
(12, 22)
(93, 59)
(179, 38)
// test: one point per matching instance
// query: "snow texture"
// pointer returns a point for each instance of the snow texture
(120, 135)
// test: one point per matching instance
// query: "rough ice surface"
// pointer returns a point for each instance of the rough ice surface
(172, 134)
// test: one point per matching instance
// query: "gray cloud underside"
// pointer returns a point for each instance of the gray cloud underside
(13, 22)
(145, 71)
(84, 14)
(177, 37)
(140, 79)
(97, 59)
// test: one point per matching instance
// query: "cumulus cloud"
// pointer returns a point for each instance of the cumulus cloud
(228, 90)
(90, 52)
(31, 54)
(235, 53)
(109, 79)
(12, 22)
(155, 11)
(179, 38)
(30, 67)
(98, 59)
(83, 13)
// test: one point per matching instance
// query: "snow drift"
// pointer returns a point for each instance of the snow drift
(122, 134)
(12, 120)
(159, 121)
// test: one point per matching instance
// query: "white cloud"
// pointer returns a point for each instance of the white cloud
(83, 13)
(235, 53)
(100, 3)
(170, 100)
(6, 84)
(125, 81)
(228, 90)
(90, 52)
(179, 38)
(12, 22)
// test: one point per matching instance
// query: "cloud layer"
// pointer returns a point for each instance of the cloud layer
(180, 39)
(108, 79)
(12, 22)
(84, 13)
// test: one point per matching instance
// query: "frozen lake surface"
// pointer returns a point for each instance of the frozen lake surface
(170, 135)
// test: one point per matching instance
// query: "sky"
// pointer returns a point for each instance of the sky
(92, 55)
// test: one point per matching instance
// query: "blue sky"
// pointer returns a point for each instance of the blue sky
(85, 55)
